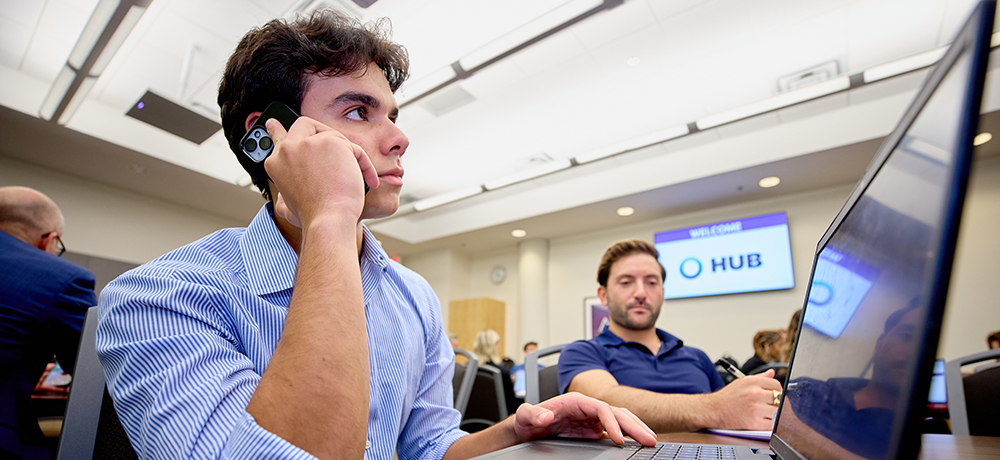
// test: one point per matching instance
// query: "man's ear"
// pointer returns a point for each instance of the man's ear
(602, 294)
(251, 119)
(45, 241)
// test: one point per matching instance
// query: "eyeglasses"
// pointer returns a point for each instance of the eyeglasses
(60, 247)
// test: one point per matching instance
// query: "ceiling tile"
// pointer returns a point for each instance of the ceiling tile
(14, 39)
(548, 53)
(613, 24)
(57, 32)
(24, 13)
(494, 78)
(229, 19)
(441, 32)
(708, 28)
(650, 44)
(665, 9)
(880, 32)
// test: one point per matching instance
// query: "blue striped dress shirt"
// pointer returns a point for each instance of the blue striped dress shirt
(185, 339)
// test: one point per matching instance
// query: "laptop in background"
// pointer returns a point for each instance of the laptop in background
(858, 379)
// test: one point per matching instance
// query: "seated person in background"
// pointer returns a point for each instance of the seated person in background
(487, 350)
(517, 372)
(993, 340)
(453, 338)
(670, 386)
(43, 302)
(529, 348)
(788, 345)
(767, 349)
(298, 336)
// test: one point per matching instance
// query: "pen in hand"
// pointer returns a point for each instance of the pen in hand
(730, 368)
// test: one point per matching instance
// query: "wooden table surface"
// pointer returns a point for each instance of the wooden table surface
(933, 446)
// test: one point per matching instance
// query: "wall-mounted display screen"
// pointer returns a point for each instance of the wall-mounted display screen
(744, 255)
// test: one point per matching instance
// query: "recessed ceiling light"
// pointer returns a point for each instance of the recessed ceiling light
(981, 139)
(625, 211)
(518, 233)
(769, 182)
(633, 61)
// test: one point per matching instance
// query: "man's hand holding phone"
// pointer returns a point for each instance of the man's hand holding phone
(315, 170)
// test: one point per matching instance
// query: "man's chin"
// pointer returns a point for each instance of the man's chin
(378, 210)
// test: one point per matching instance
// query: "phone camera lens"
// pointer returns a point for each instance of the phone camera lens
(250, 145)
(265, 143)
(256, 133)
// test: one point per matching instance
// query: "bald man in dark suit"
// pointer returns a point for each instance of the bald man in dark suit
(43, 301)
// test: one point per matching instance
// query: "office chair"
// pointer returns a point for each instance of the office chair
(543, 384)
(973, 400)
(461, 383)
(487, 403)
(91, 429)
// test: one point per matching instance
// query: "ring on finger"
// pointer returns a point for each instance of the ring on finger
(777, 397)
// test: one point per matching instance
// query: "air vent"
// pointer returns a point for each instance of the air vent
(812, 75)
(446, 100)
(173, 118)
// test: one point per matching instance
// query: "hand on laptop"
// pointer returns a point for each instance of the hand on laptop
(578, 416)
(747, 403)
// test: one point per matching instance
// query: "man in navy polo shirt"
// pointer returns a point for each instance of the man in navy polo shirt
(670, 386)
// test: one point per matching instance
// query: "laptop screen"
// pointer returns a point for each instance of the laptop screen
(872, 316)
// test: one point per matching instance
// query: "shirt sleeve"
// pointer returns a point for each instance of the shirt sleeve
(578, 357)
(714, 379)
(433, 425)
(175, 369)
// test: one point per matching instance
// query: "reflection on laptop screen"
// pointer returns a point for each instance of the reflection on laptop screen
(876, 293)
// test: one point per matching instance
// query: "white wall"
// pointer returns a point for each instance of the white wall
(447, 271)
(114, 223)
(973, 308)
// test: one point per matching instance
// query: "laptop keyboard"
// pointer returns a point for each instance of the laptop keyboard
(683, 452)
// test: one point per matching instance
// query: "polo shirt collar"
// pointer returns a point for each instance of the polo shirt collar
(270, 262)
(668, 342)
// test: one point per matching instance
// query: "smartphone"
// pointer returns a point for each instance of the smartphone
(256, 142)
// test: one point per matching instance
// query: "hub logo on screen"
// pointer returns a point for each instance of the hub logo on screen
(745, 255)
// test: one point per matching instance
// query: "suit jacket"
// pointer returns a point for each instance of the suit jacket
(43, 301)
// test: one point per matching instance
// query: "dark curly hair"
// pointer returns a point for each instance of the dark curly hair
(273, 63)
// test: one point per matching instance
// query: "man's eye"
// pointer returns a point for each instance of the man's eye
(357, 114)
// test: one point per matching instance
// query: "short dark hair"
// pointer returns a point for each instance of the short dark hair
(622, 249)
(529, 344)
(994, 337)
(273, 63)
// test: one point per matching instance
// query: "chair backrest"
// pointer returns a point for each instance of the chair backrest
(487, 403)
(539, 386)
(973, 400)
(465, 375)
(91, 429)
(764, 368)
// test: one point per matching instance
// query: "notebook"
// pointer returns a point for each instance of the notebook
(859, 375)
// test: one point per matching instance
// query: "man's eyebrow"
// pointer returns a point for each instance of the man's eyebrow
(354, 96)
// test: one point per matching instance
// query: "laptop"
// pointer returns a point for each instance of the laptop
(859, 376)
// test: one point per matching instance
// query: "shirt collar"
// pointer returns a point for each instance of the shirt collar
(667, 341)
(270, 262)
(374, 262)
